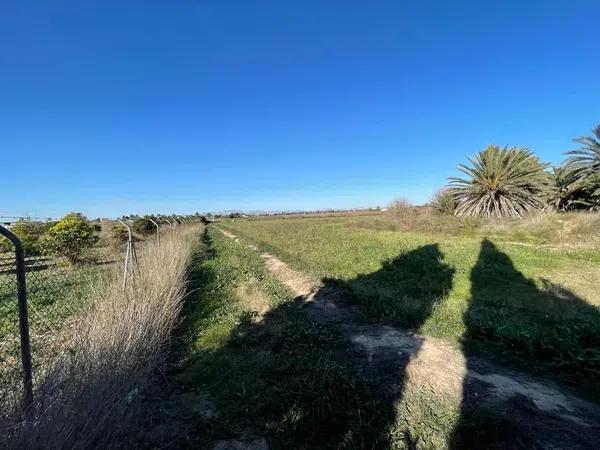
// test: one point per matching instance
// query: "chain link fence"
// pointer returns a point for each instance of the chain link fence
(11, 374)
(57, 293)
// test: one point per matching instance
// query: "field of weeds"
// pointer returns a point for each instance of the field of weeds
(522, 292)
(261, 365)
(260, 373)
(226, 338)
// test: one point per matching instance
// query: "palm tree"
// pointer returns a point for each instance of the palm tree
(502, 182)
(444, 201)
(586, 159)
(565, 189)
(584, 165)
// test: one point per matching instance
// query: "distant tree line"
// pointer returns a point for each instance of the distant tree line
(71, 236)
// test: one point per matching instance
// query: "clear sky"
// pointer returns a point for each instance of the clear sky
(115, 107)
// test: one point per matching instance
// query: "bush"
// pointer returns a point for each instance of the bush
(444, 201)
(400, 207)
(30, 233)
(143, 225)
(70, 237)
(118, 234)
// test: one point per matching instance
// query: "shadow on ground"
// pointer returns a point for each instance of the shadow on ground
(289, 374)
(294, 375)
(550, 326)
(547, 325)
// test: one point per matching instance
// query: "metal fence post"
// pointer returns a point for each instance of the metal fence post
(157, 231)
(130, 254)
(23, 317)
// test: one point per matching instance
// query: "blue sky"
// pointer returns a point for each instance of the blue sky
(119, 107)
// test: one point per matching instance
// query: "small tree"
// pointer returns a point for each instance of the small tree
(70, 237)
(501, 182)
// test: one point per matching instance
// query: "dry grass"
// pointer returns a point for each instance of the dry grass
(574, 229)
(90, 398)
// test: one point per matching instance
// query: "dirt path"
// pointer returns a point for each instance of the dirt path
(540, 410)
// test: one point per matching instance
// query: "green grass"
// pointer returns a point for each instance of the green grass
(533, 306)
(278, 374)
(56, 290)
(53, 295)
(275, 375)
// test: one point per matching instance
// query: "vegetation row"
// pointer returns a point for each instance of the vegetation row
(512, 181)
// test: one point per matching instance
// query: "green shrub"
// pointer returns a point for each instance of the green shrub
(30, 233)
(118, 234)
(444, 201)
(70, 237)
(144, 225)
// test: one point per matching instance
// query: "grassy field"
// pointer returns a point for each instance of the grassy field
(251, 363)
(525, 292)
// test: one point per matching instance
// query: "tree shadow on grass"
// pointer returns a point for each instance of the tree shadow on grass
(550, 327)
(290, 374)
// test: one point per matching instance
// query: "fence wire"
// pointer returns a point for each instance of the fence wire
(57, 293)
(10, 360)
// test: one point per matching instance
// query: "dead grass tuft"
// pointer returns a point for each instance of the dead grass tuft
(89, 398)
(576, 229)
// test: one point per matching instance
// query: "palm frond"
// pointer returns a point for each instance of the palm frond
(586, 158)
(503, 182)
(583, 165)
